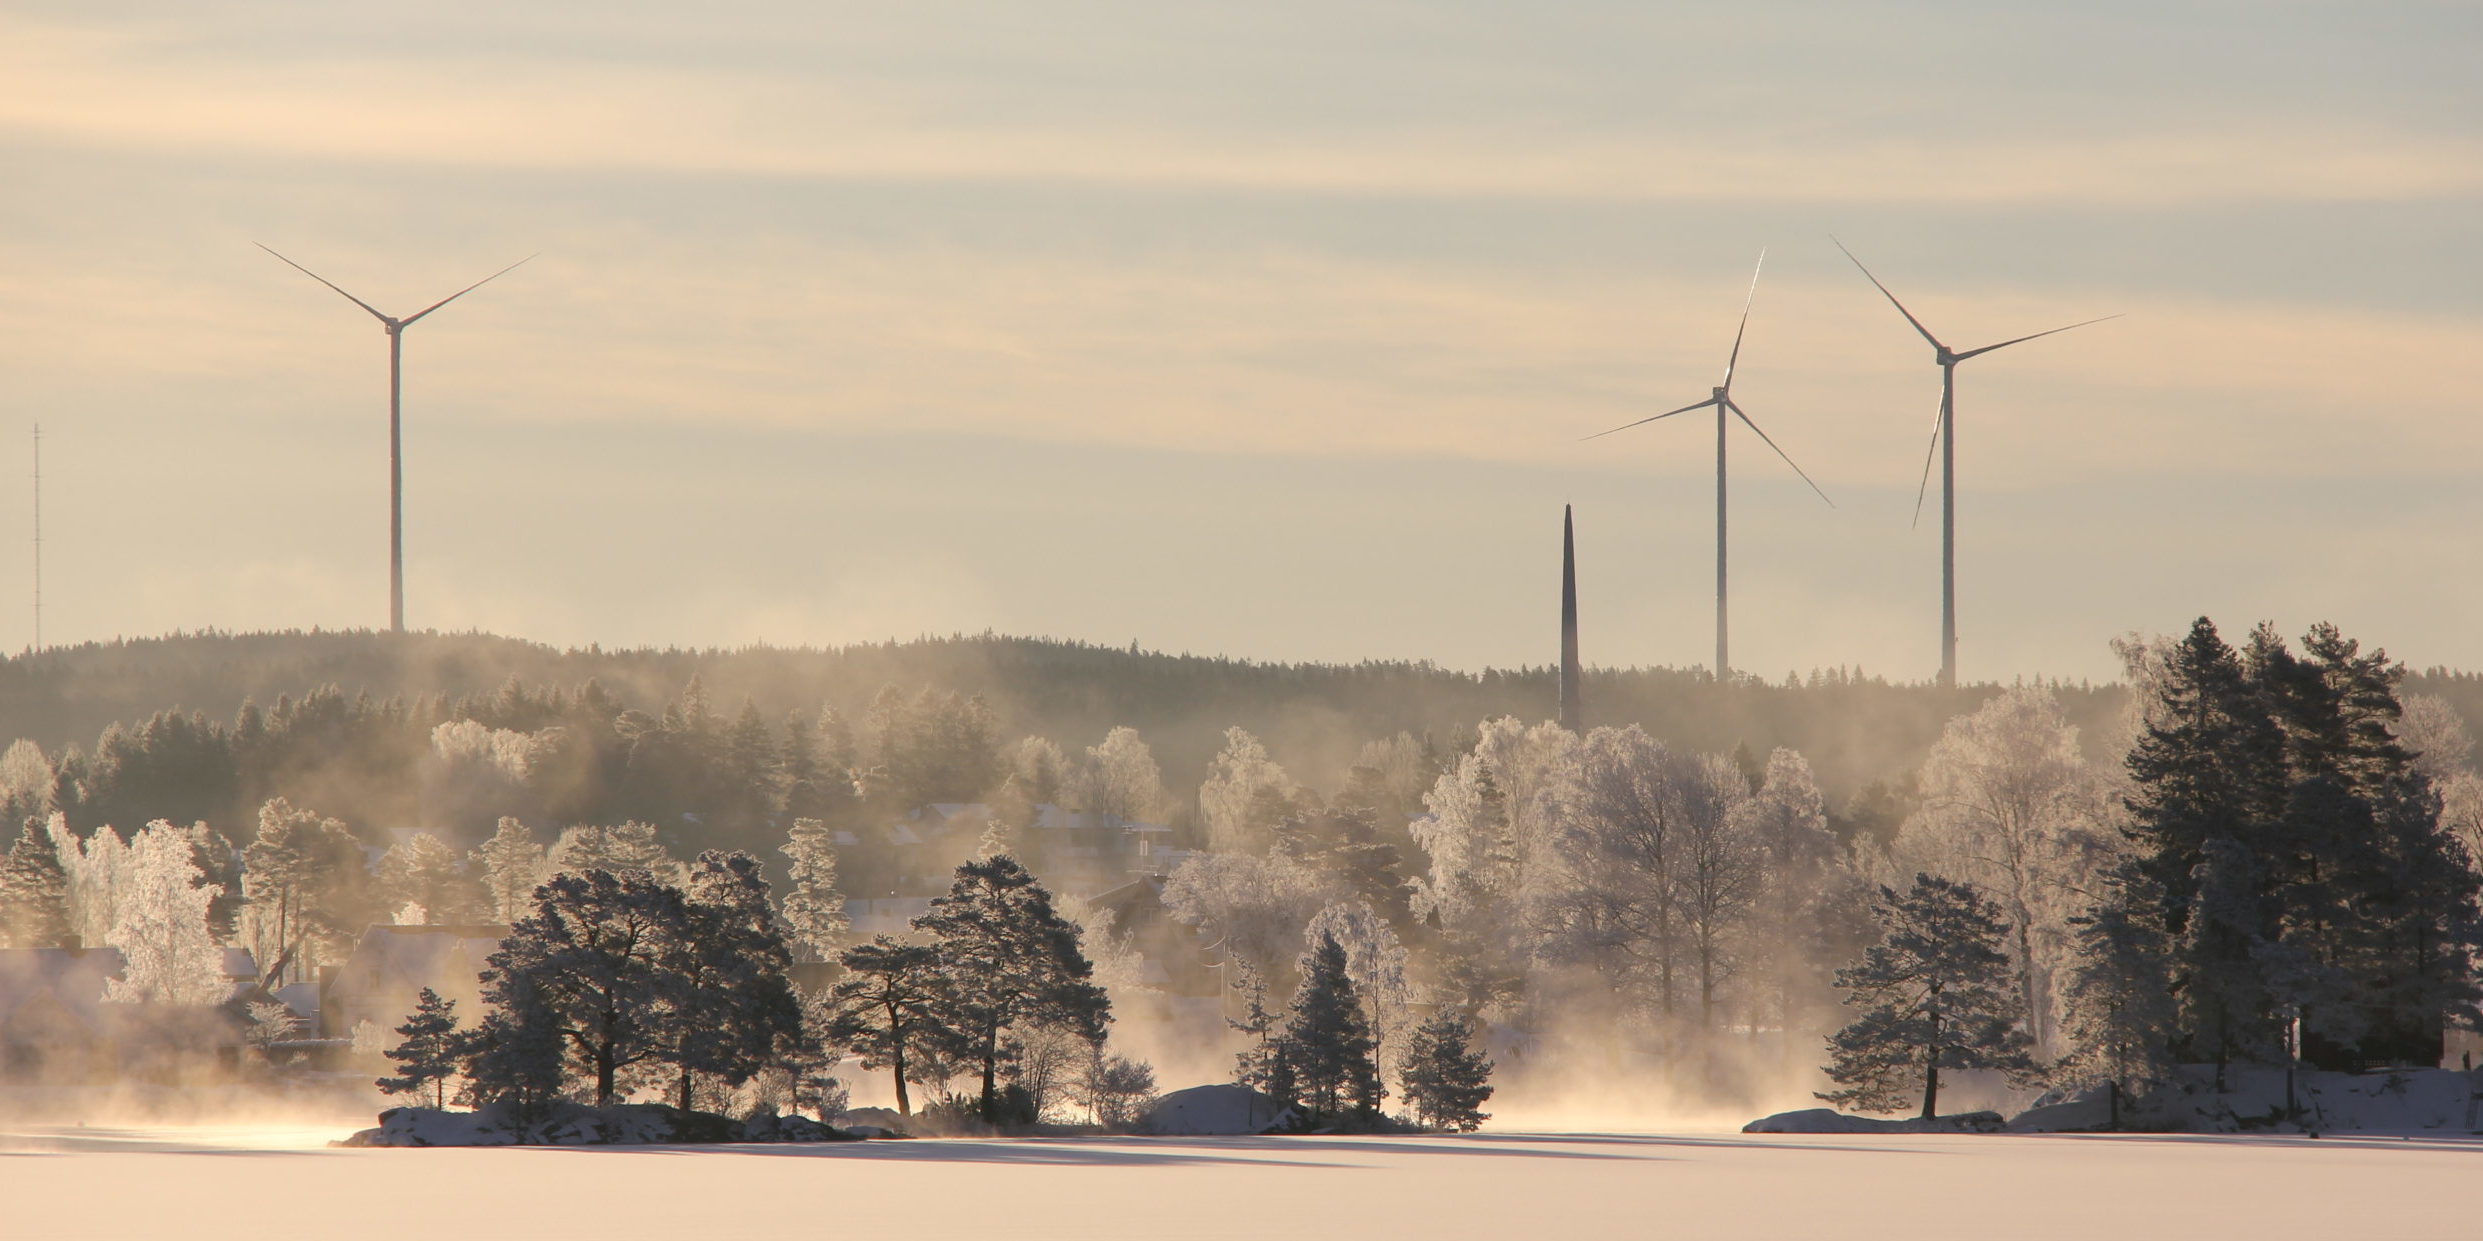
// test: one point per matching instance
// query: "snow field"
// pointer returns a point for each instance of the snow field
(214, 1184)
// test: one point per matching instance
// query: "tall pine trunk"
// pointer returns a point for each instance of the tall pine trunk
(1931, 1060)
(991, 1070)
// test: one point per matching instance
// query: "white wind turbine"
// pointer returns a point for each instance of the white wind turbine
(395, 328)
(1721, 398)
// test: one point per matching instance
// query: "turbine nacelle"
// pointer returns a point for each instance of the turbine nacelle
(1721, 396)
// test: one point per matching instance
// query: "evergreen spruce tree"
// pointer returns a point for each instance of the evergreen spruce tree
(1010, 963)
(1446, 1079)
(750, 771)
(1326, 1048)
(431, 1052)
(813, 906)
(517, 1058)
(1935, 993)
(2121, 1017)
(34, 892)
(805, 796)
(2296, 856)
(2209, 789)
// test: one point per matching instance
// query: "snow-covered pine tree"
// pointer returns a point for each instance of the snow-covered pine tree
(1446, 1079)
(1935, 993)
(813, 906)
(729, 1005)
(2010, 806)
(2121, 1018)
(308, 884)
(512, 864)
(1009, 960)
(429, 1051)
(887, 1010)
(590, 970)
(34, 892)
(1326, 1046)
(421, 878)
(630, 848)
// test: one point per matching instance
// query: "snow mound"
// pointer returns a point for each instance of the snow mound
(1828, 1120)
(1205, 1111)
(855, 1119)
(2082, 1113)
(569, 1124)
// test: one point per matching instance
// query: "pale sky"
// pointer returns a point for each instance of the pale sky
(1259, 329)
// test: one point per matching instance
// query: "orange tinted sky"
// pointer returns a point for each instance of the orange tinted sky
(1266, 330)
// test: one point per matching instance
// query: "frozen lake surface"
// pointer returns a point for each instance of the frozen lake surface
(215, 1183)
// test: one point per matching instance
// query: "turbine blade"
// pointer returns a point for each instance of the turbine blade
(1737, 412)
(2023, 339)
(1753, 295)
(330, 283)
(1892, 298)
(471, 287)
(1644, 421)
(1938, 421)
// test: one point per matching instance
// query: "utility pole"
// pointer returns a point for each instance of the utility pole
(38, 537)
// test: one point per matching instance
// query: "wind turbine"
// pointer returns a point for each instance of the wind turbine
(395, 328)
(1944, 442)
(1721, 397)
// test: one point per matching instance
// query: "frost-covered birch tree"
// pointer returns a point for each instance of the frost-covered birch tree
(2010, 806)
(93, 867)
(1244, 797)
(1253, 905)
(1807, 910)
(1117, 778)
(160, 924)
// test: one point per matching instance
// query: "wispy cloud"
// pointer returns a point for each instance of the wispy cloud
(135, 90)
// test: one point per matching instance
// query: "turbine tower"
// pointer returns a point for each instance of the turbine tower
(1944, 444)
(1571, 716)
(395, 328)
(1721, 397)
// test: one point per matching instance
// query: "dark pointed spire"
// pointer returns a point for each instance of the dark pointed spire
(1571, 717)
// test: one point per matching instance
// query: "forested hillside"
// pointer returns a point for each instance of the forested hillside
(208, 725)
